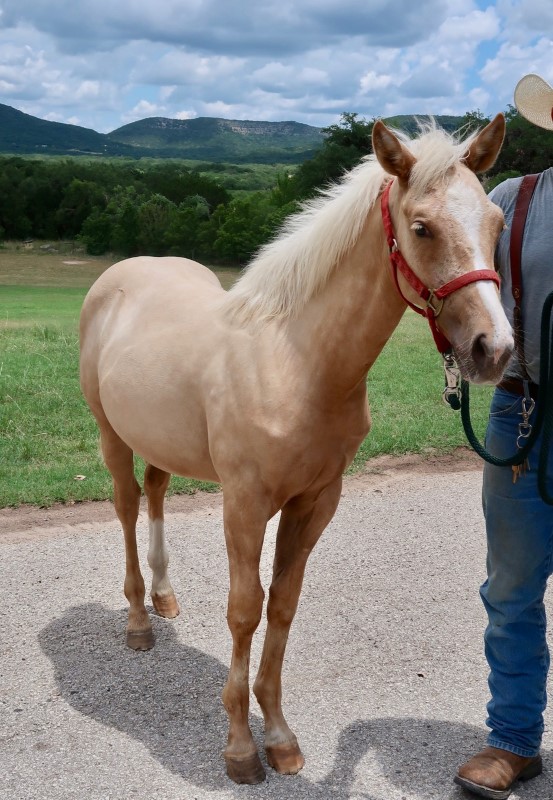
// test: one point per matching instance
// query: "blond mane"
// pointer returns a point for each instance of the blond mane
(292, 268)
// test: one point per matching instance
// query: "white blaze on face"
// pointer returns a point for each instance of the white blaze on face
(466, 205)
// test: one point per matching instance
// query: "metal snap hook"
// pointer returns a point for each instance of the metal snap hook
(451, 395)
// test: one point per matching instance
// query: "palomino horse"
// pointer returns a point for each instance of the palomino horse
(263, 388)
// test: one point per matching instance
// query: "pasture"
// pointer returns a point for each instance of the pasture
(48, 438)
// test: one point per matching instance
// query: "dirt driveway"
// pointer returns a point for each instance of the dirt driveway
(384, 683)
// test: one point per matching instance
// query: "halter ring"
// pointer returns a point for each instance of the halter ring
(439, 301)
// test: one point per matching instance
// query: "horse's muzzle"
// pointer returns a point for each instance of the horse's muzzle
(488, 358)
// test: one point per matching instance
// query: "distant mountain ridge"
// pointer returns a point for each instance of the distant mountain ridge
(22, 133)
(215, 139)
(202, 138)
(410, 122)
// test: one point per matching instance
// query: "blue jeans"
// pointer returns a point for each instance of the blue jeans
(519, 528)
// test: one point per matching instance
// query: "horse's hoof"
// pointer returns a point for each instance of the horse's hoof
(140, 640)
(166, 605)
(287, 759)
(245, 770)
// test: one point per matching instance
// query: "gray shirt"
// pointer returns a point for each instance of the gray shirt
(536, 263)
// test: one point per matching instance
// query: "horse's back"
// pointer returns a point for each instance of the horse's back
(153, 290)
(147, 279)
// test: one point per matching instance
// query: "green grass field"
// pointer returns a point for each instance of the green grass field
(49, 440)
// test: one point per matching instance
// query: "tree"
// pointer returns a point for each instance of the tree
(78, 201)
(183, 235)
(13, 203)
(245, 225)
(526, 149)
(155, 217)
(96, 233)
(125, 222)
(345, 145)
(54, 198)
(472, 121)
(178, 184)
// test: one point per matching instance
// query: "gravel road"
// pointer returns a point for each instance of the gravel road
(384, 682)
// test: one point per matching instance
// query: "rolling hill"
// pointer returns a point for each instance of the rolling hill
(202, 138)
(24, 134)
(213, 139)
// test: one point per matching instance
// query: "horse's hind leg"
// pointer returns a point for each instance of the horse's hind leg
(119, 460)
(163, 596)
(302, 521)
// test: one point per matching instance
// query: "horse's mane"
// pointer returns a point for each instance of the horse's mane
(292, 268)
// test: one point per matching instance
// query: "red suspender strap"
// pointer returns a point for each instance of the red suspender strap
(525, 193)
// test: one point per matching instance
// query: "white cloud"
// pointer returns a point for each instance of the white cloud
(478, 99)
(219, 109)
(474, 27)
(371, 82)
(188, 114)
(277, 76)
(524, 19)
(435, 80)
(501, 73)
(144, 109)
(53, 116)
(107, 63)
(252, 28)
(179, 67)
(88, 90)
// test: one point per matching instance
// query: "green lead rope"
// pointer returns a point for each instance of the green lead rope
(544, 413)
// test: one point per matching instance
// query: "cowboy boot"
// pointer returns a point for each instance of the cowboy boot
(493, 772)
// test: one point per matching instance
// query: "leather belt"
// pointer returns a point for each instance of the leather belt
(516, 386)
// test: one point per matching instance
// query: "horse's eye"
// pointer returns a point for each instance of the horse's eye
(420, 229)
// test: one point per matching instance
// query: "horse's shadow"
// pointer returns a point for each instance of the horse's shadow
(168, 699)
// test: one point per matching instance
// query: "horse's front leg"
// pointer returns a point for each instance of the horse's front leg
(301, 524)
(245, 524)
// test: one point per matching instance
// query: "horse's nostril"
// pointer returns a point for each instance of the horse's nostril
(485, 351)
(481, 350)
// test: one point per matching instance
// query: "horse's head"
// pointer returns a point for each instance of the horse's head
(446, 227)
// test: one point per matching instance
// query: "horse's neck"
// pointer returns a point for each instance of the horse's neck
(349, 322)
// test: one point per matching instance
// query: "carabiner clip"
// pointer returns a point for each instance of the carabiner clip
(451, 395)
(524, 427)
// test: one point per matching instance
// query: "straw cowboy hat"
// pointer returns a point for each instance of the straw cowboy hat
(534, 100)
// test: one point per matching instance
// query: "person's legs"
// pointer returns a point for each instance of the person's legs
(519, 528)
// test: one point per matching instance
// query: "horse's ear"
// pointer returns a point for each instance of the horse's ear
(392, 155)
(485, 148)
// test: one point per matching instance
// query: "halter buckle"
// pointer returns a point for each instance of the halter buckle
(435, 303)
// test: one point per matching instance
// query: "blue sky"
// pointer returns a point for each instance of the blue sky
(103, 63)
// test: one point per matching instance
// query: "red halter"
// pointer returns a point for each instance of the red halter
(433, 298)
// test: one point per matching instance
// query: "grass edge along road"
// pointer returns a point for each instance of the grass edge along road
(49, 440)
